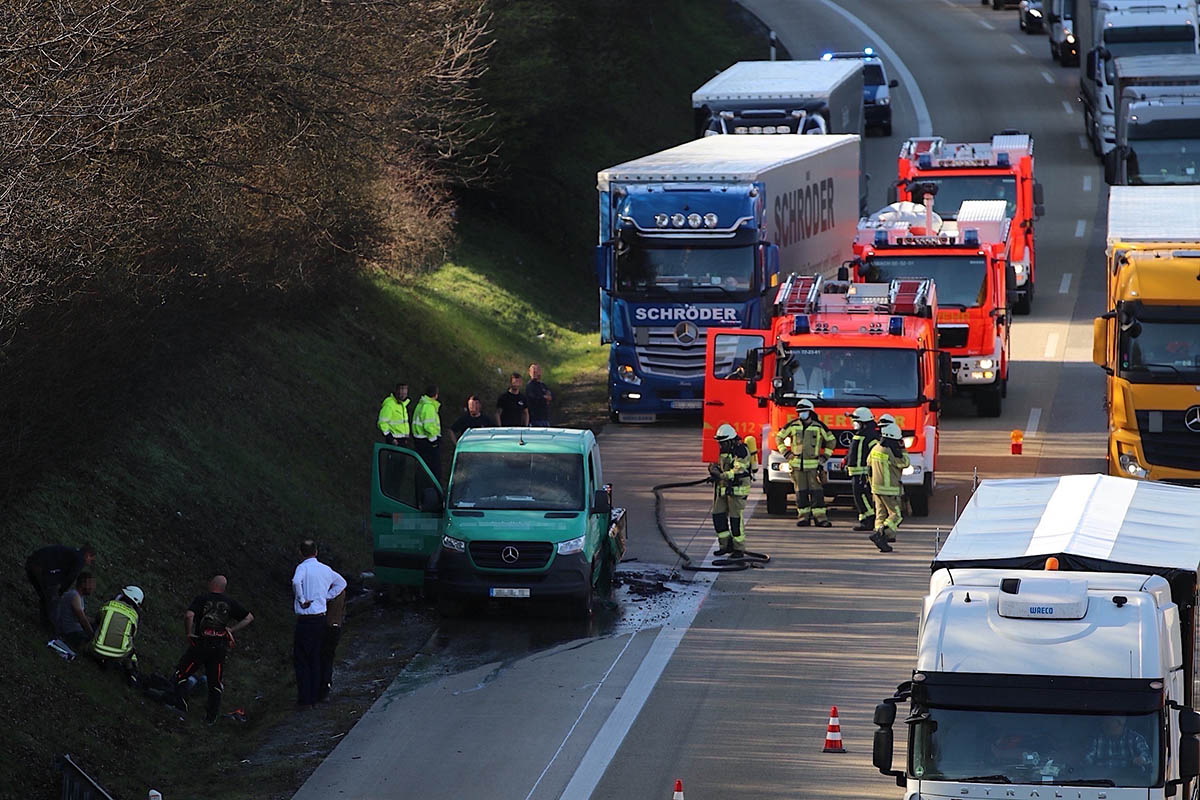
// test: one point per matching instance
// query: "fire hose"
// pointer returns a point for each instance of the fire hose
(730, 563)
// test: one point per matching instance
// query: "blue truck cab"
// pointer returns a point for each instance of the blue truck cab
(525, 515)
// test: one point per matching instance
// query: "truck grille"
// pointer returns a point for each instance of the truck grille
(1166, 441)
(663, 356)
(530, 555)
(952, 335)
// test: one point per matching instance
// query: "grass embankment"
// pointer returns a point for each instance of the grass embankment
(236, 454)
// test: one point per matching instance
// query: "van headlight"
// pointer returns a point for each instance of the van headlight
(883, 101)
(457, 545)
(571, 546)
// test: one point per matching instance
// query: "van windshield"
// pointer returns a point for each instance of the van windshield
(522, 480)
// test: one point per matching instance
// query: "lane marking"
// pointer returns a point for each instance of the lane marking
(1080, 227)
(987, 24)
(950, 3)
(1051, 346)
(1035, 416)
(1087, 183)
(1068, 107)
(1083, 142)
(1020, 49)
(1065, 286)
(1049, 78)
(924, 122)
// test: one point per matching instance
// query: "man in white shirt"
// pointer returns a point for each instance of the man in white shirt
(313, 584)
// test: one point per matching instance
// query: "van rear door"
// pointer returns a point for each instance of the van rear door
(407, 505)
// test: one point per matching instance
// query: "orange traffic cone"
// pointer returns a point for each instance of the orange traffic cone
(833, 734)
(678, 793)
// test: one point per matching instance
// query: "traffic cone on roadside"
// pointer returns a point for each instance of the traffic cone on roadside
(833, 734)
(678, 793)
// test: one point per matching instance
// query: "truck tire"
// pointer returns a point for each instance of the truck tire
(776, 499)
(581, 606)
(918, 501)
(988, 401)
(1024, 304)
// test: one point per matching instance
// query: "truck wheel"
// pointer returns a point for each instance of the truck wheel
(988, 401)
(1024, 304)
(1021, 23)
(918, 501)
(776, 499)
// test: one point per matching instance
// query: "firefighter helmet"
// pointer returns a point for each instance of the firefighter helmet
(891, 431)
(862, 414)
(135, 594)
(804, 404)
(725, 433)
(886, 419)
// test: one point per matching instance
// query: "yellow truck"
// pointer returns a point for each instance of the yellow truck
(1148, 341)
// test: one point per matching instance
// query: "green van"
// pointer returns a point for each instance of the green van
(526, 515)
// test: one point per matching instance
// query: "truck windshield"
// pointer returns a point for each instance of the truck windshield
(961, 280)
(847, 375)
(952, 190)
(688, 269)
(1160, 351)
(517, 481)
(1164, 151)
(1150, 40)
(1053, 748)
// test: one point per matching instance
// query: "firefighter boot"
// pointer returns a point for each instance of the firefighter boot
(879, 539)
(721, 524)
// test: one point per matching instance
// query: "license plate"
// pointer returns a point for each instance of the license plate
(497, 591)
(835, 465)
(687, 405)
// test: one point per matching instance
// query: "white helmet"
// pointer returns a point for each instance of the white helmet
(886, 419)
(725, 433)
(891, 431)
(135, 594)
(862, 414)
(804, 404)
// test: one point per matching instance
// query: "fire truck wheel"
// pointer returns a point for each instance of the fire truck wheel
(918, 502)
(988, 401)
(776, 499)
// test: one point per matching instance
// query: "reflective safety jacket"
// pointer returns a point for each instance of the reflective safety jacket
(885, 468)
(737, 469)
(804, 444)
(860, 448)
(425, 421)
(114, 634)
(393, 417)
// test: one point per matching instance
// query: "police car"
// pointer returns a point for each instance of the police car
(877, 100)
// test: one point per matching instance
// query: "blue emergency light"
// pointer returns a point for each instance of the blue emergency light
(924, 161)
(800, 324)
(971, 237)
(827, 56)
(895, 326)
(869, 51)
(880, 238)
(1001, 159)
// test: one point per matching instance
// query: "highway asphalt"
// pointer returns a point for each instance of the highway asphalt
(726, 681)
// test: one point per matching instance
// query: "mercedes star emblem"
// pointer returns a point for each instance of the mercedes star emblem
(510, 554)
(1191, 419)
(844, 438)
(686, 333)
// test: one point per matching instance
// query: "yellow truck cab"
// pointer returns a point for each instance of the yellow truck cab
(526, 514)
(1148, 341)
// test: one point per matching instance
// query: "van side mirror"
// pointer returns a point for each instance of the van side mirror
(1100, 343)
(431, 500)
(602, 502)
(1189, 722)
(1039, 196)
(893, 83)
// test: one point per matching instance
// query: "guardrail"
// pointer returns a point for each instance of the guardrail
(77, 784)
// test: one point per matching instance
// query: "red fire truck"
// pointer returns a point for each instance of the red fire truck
(967, 260)
(1001, 169)
(841, 345)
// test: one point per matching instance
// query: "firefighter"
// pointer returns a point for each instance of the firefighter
(807, 443)
(887, 461)
(117, 625)
(866, 433)
(732, 475)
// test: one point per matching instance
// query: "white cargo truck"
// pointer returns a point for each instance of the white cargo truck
(1158, 121)
(1112, 29)
(697, 236)
(1055, 657)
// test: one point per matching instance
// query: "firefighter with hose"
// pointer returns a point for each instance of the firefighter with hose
(732, 475)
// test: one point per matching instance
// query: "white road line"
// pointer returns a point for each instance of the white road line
(1020, 49)
(1080, 227)
(950, 3)
(1065, 286)
(924, 122)
(1083, 142)
(1051, 345)
(1048, 77)
(1068, 107)
(1035, 416)
(1087, 183)
(987, 24)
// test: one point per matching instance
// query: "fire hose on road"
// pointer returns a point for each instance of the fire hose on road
(727, 564)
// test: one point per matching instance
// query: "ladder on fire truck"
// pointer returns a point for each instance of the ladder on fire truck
(802, 294)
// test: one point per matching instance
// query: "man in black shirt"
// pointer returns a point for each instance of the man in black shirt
(52, 570)
(210, 622)
(472, 418)
(539, 397)
(512, 409)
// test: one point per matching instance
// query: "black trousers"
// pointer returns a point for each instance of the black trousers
(431, 454)
(306, 654)
(46, 589)
(208, 652)
(333, 635)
